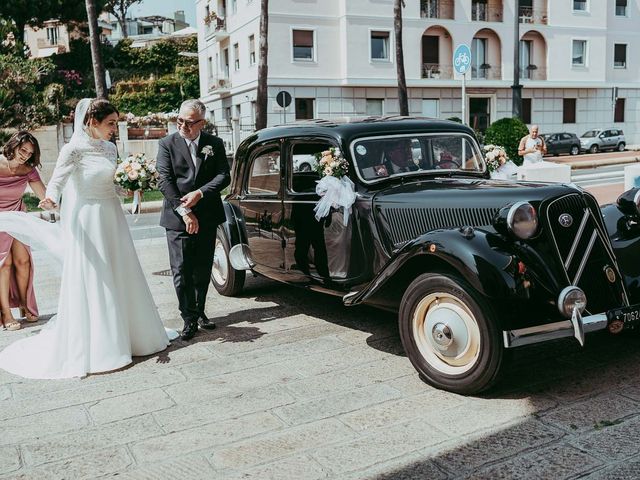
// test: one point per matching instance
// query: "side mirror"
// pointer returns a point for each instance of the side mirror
(629, 202)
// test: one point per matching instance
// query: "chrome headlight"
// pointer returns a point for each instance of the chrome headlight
(571, 297)
(522, 220)
(629, 202)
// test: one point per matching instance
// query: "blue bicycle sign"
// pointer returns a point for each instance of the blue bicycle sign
(462, 58)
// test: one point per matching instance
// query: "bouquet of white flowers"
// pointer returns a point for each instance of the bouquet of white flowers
(334, 187)
(137, 174)
(498, 163)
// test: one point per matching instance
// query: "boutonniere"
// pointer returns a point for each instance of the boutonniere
(206, 151)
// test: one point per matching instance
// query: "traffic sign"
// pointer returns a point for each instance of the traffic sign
(283, 98)
(462, 58)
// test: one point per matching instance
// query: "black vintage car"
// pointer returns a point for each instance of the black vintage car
(473, 266)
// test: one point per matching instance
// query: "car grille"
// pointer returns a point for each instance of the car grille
(584, 250)
(408, 223)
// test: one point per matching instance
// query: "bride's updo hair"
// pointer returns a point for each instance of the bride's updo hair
(99, 109)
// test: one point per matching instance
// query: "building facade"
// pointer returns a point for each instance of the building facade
(336, 58)
(53, 37)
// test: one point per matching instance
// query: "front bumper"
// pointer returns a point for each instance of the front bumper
(576, 327)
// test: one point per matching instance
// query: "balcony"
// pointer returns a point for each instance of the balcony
(219, 85)
(485, 12)
(437, 9)
(217, 28)
(533, 15)
(486, 72)
(533, 72)
(437, 71)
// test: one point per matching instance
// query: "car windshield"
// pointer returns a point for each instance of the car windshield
(590, 133)
(392, 156)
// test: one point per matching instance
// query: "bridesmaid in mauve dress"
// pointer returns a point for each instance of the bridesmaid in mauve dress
(21, 156)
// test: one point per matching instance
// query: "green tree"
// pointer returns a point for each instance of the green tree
(119, 8)
(36, 12)
(507, 133)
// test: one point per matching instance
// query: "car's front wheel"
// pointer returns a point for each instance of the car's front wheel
(227, 280)
(621, 147)
(449, 334)
(575, 150)
(594, 149)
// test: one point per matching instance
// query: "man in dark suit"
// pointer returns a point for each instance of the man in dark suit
(193, 170)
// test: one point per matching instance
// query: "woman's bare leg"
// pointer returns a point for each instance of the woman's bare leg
(5, 285)
(22, 263)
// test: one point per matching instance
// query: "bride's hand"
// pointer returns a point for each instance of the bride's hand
(47, 204)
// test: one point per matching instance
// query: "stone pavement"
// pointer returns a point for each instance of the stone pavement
(293, 385)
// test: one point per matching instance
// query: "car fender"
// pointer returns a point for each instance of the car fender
(467, 251)
(233, 227)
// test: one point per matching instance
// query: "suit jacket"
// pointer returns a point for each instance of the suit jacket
(179, 176)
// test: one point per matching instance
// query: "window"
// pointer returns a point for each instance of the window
(479, 63)
(579, 5)
(303, 166)
(236, 56)
(569, 110)
(479, 10)
(526, 110)
(375, 106)
(379, 45)
(252, 49)
(620, 55)
(210, 67)
(430, 107)
(234, 6)
(304, 108)
(303, 45)
(225, 65)
(52, 35)
(621, 8)
(526, 54)
(265, 174)
(618, 115)
(579, 53)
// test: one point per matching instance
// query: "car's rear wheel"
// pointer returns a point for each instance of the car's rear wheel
(227, 280)
(575, 150)
(305, 167)
(594, 149)
(450, 334)
(621, 147)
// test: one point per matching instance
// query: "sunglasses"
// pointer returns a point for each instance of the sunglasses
(188, 123)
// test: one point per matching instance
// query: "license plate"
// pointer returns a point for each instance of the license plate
(629, 316)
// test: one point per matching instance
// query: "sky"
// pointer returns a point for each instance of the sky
(165, 8)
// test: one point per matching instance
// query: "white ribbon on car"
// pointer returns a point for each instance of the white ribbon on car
(335, 192)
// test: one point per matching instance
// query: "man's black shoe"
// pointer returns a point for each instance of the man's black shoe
(205, 323)
(189, 331)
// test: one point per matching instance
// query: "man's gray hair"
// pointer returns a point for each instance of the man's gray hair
(195, 105)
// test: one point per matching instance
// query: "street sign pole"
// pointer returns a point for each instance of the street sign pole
(461, 63)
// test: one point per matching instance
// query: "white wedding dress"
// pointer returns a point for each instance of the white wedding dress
(106, 313)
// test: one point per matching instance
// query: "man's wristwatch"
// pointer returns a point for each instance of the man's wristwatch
(182, 211)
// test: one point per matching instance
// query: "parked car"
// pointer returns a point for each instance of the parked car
(563, 142)
(472, 266)
(596, 140)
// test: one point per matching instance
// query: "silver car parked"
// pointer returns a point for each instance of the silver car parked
(595, 140)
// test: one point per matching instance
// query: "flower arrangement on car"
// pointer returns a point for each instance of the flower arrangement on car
(498, 163)
(138, 174)
(335, 188)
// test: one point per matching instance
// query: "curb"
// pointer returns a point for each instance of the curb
(578, 164)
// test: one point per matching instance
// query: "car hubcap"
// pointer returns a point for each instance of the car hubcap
(220, 269)
(574, 151)
(446, 333)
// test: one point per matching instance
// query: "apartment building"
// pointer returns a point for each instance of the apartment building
(54, 37)
(337, 58)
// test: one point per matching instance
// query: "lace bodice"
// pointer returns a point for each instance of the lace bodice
(89, 166)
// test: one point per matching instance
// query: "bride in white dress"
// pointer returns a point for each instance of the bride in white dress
(106, 313)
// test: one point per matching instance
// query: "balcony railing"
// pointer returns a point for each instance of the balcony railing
(533, 15)
(217, 27)
(533, 72)
(437, 71)
(436, 9)
(486, 72)
(219, 84)
(482, 12)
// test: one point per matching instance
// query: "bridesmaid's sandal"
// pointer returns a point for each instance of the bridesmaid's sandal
(28, 316)
(13, 325)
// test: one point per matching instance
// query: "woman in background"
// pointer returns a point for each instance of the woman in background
(18, 167)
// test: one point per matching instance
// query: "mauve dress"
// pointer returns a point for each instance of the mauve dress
(11, 190)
